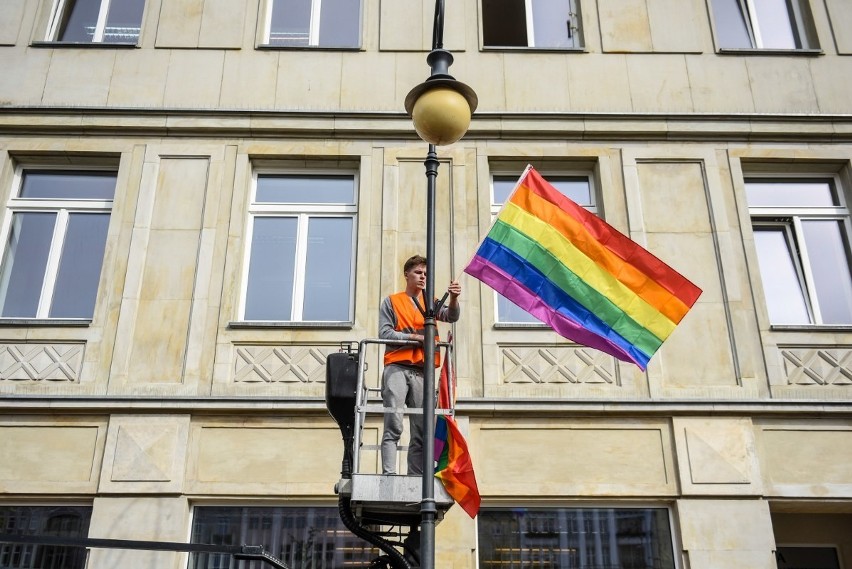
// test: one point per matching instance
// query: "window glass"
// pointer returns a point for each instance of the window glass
(791, 193)
(291, 22)
(54, 248)
(763, 24)
(731, 26)
(619, 538)
(124, 21)
(25, 263)
(80, 266)
(300, 256)
(81, 21)
(775, 21)
(336, 23)
(58, 521)
(781, 283)
(545, 24)
(271, 269)
(298, 536)
(305, 189)
(329, 258)
(68, 185)
(829, 261)
(577, 188)
(552, 23)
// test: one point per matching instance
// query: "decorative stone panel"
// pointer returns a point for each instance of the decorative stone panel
(41, 362)
(818, 366)
(557, 365)
(281, 364)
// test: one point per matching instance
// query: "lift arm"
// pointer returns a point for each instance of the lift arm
(250, 552)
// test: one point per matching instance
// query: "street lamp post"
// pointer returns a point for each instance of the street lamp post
(441, 108)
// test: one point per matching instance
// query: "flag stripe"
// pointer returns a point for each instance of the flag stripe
(598, 290)
(575, 233)
(537, 270)
(583, 331)
(621, 245)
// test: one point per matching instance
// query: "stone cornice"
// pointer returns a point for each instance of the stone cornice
(484, 407)
(561, 126)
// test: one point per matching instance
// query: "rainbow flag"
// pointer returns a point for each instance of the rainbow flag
(578, 274)
(454, 467)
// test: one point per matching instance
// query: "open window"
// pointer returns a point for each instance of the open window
(544, 24)
(96, 21)
(764, 24)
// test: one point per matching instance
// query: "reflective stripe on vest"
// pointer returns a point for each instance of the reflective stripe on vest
(409, 320)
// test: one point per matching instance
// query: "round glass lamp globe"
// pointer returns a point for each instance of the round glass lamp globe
(441, 116)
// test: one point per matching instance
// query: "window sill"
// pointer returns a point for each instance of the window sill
(46, 322)
(520, 326)
(85, 45)
(762, 51)
(810, 328)
(522, 49)
(273, 324)
(274, 47)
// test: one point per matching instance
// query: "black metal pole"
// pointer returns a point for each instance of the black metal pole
(428, 510)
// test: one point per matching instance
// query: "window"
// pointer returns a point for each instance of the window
(55, 233)
(96, 21)
(314, 23)
(617, 538)
(301, 244)
(547, 24)
(298, 536)
(763, 24)
(52, 521)
(577, 188)
(801, 234)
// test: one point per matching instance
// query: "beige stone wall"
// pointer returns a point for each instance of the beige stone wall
(164, 401)
(654, 56)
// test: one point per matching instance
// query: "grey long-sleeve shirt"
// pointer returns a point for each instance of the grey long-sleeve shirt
(387, 319)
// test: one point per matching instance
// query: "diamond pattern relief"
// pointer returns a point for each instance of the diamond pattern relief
(281, 364)
(818, 366)
(557, 365)
(41, 362)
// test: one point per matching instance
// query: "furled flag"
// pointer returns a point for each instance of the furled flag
(576, 273)
(454, 468)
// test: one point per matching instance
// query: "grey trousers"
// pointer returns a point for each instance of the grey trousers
(402, 386)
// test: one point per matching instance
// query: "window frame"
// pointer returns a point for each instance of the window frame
(801, 24)
(576, 27)
(313, 31)
(494, 210)
(245, 508)
(264, 209)
(63, 209)
(640, 506)
(790, 219)
(57, 13)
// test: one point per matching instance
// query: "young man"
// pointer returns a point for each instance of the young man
(402, 380)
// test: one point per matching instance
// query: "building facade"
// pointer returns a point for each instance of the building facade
(201, 199)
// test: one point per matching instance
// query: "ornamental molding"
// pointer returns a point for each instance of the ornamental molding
(557, 365)
(827, 367)
(41, 362)
(281, 363)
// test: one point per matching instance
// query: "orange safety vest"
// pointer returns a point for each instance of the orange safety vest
(410, 321)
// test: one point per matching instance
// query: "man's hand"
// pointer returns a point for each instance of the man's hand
(454, 289)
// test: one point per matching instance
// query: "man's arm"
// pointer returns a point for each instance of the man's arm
(387, 323)
(451, 311)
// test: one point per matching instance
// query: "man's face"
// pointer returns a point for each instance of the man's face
(415, 278)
